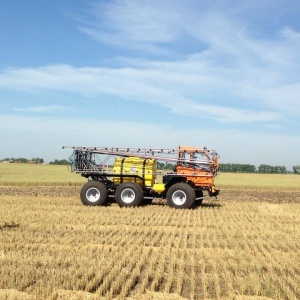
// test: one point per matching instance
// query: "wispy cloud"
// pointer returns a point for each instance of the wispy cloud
(226, 54)
(48, 108)
(188, 94)
(226, 114)
(126, 23)
(291, 34)
(227, 74)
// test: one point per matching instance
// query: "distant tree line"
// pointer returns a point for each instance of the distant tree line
(242, 168)
(228, 167)
(272, 169)
(23, 160)
(246, 168)
(59, 162)
(296, 169)
(37, 160)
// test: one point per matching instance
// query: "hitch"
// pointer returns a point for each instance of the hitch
(213, 192)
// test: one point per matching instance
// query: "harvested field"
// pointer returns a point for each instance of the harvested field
(52, 246)
(244, 246)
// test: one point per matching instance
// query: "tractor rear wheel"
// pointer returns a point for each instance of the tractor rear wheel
(93, 193)
(181, 195)
(129, 194)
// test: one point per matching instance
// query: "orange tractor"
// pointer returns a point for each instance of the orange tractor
(131, 177)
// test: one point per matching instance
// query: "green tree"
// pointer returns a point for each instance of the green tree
(164, 166)
(267, 169)
(21, 160)
(37, 160)
(59, 162)
(234, 168)
(160, 165)
(280, 169)
(296, 169)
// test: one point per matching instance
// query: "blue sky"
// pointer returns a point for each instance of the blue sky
(220, 74)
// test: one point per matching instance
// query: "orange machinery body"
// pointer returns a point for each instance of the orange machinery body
(198, 177)
(200, 174)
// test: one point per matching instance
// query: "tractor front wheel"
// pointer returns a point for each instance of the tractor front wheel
(181, 195)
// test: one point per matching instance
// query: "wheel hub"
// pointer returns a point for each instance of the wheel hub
(179, 197)
(128, 195)
(93, 194)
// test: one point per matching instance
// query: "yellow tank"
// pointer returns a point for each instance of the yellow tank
(144, 168)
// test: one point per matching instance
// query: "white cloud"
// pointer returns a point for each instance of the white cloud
(125, 23)
(291, 34)
(47, 108)
(226, 114)
(186, 92)
(226, 75)
(225, 54)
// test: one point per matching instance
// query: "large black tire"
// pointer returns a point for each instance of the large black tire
(181, 195)
(93, 193)
(129, 194)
